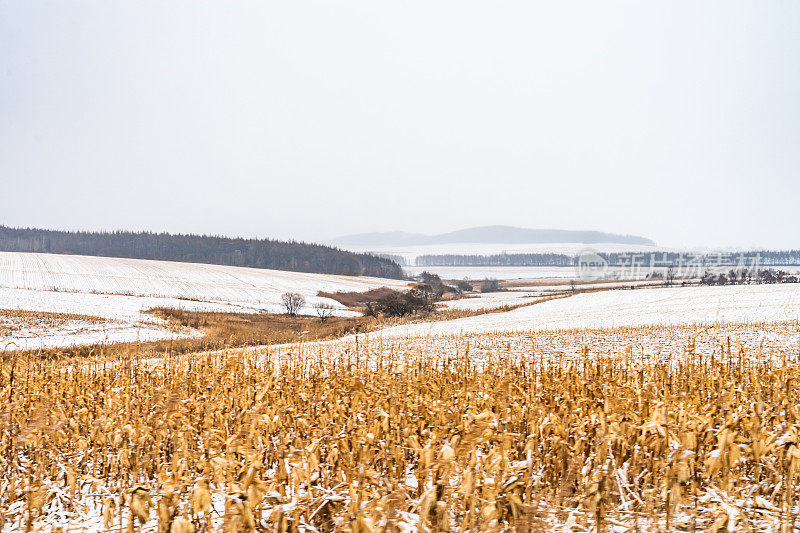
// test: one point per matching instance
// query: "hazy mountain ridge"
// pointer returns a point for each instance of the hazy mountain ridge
(490, 235)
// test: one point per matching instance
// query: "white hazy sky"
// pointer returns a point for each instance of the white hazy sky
(679, 121)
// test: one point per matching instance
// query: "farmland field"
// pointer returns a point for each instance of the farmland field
(119, 290)
(410, 253)
(399, 267)
(618, 410)
(245, 287)
(640, 307)
(681, 427)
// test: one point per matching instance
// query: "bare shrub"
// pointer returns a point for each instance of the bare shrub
(464, 286)
(324, 311)
(490, 285)
(292, 302)
(395, 304)
(669, 280)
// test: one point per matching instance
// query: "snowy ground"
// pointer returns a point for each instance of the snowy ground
(118, 290)
(410, 253)
(492, 300)
(609, 309)
(548, 273)
(119, 318)
(558, 286)
(76, 332)
(528, 294)
(253, 287)
(563, 274)
(501, 273)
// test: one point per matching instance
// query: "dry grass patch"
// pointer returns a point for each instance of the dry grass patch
(217, 331)
(12, 320)
(357, 299)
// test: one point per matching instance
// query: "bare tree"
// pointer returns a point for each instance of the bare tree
(324, 311)
(396, 303)
(422, 298)
(372, 309)
(670, 277)
(464, 286)
(490, 285)
(292, 302)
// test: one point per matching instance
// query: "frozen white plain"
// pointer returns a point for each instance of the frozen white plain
(557, 273)
(492, 300)
(617, 308)
(495, 272)
(524, 295)
(119, 290)
(410, 253)
(254, 288)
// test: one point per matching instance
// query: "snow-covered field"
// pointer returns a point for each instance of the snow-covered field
(492, 300)
(501, 273)
(609, 309)
(559, 286)
(530, 273)
(410, 253)
(557, 273)
(119, 290)
(122, 318)
(257, 289)
(76, 332)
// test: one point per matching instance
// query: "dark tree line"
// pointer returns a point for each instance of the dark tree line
(751, 259)
(399, 259)
(620, 259)
(496, 260)
(748, 277)
(257, 253)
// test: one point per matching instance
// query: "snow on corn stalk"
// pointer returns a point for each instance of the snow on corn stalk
(669, 427)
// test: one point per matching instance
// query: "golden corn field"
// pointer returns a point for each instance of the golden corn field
(640, 429)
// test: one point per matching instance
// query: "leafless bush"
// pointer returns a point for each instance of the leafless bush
(490, 285)
(464, 286)
(292, 302)
(670, 276)
(324, 311)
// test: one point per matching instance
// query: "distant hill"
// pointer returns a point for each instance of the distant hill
(490, 235)
(257, 253)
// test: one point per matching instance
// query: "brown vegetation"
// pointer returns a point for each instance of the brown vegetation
(14, 319)
(253, 329)
(357, 299)
(431, 436)
(220, 330)
(229, 330)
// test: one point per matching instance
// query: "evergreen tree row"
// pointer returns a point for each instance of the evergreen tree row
(621, 259)
(257, 253)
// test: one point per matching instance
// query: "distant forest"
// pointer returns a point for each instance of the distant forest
(658, 259)
(496, 260)
(257, 253)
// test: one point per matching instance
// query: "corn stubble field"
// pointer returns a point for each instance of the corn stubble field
(664, 428)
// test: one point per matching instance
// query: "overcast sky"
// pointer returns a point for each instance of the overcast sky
(678, 121)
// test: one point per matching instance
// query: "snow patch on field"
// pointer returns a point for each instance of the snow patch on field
(410, 253)
(74, 333)
(492, 300)
(610, 309)
(119, 290)
(555, 287)
(247, 287)
(123, 318)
